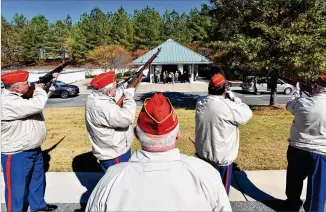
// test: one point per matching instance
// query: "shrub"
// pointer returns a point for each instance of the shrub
(127, 73)
(90, 76)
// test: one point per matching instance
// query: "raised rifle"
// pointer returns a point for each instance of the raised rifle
(134, 81)
(46, 80)
(305, 85)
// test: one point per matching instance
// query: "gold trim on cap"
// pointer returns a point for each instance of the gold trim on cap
(217, 78)
(159, 122)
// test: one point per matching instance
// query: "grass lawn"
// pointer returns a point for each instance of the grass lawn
(263, 141)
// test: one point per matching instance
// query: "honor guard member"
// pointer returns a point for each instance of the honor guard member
(159, 177)
(306, 153)
(218, 116)
(22, 133)
(109, 126)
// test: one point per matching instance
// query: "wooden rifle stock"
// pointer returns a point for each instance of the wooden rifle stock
(46, 79)
(138, 76)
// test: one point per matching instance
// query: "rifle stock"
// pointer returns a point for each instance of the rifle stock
(138, 76)
(46, 79)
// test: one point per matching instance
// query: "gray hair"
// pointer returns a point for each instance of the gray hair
(105, 89)
(10, 86)
(157, 141)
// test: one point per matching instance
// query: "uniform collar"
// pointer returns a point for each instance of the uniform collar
(152, 157)
(216, 96)
(6, 91)
(320, 94)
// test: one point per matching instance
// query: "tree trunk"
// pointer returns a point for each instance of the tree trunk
(273, 97)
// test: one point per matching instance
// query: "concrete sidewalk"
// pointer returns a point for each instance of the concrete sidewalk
(144, 87)
(70, 187)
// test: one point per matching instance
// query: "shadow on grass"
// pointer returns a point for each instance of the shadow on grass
(47, 157)
(244, 185)
(178, 99)
(89, 172)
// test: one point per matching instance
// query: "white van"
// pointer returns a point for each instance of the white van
(262, 85)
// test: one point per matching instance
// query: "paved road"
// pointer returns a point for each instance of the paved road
(178, 99)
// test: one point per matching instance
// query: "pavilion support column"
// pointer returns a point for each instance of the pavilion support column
(196, 72)
(191, 68)
(151, 73)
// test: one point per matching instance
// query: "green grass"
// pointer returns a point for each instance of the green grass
(263, 141)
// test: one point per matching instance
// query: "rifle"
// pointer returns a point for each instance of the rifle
(136, 78)
(46, 79)
(305, 85)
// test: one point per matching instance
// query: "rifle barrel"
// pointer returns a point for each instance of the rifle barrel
(138, 76)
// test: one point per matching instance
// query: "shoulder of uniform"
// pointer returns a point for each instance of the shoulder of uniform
(198, 164)
(119, 167)
(114, 171)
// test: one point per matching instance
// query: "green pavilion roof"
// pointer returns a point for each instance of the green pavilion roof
(172, 53)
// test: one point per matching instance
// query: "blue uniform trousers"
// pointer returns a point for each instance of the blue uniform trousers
(226, 174)
(302, 164)
(105, 164)
(24, 179)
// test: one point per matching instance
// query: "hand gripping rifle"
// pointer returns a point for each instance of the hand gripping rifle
(46, 79)
(136, 78)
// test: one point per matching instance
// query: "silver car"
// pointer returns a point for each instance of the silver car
(262, 85)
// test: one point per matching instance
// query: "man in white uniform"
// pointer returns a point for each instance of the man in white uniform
(307, 149)
(22, 133)
(217, 118)
(159, 177)
(108, 125)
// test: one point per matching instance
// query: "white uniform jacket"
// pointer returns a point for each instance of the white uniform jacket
(160, 181)
(109, 126)
(308, 131)
(22, 121)
(217, 135)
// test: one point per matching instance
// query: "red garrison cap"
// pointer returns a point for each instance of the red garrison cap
(103, 79)
(217, 80)
(157, 116)
(322, 81)
(15, 76)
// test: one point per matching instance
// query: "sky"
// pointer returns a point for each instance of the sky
(55, 10)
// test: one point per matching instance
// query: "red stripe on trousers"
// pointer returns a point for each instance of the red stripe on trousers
(117, 160)
(227, 178)
(8, 176)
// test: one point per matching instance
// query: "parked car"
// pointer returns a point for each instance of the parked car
(262, 85)
(64, 90)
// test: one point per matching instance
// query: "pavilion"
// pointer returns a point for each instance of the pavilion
(172, 58)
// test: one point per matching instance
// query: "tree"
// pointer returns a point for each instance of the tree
(199, 25)
(147, 25)
(121, 30)
(55, 38)
(139, 52)
(7, 43)
(76, 45)
(110, 57)
(175, 27)
(278, 38)
(94, 28)
(33, 39)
